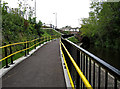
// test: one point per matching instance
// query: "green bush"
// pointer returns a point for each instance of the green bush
(73, 39)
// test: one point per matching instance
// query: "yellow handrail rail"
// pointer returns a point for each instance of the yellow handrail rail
(20, 43)
(22, 49)
(13, 44)
(87, 84)
(18, 52)
(71, 81)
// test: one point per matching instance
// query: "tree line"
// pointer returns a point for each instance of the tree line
(16, 28)
(103, 24)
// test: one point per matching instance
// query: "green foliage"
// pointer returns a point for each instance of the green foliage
(102, 26)
(50, 32)
(16, 28)
(73, 39)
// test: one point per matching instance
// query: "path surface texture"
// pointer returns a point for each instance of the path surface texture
(42, 69)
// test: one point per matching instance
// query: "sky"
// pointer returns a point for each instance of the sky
(69, 12)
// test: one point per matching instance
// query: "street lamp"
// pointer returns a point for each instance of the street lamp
(35, 10)
(55, 19)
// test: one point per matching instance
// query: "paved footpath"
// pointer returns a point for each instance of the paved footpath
(42, 69)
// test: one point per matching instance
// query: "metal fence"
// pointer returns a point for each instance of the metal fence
(99, 73)
(12, 51)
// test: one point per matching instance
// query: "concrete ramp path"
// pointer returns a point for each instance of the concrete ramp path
(42, 69)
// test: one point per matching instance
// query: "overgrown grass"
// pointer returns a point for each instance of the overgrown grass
(50, 32)
(73, 39)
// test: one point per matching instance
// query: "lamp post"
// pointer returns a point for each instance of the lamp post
(55, 19)
(35, 10)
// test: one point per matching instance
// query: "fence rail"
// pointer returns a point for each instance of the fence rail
(99, 73)
(76, 67)
(24, 48)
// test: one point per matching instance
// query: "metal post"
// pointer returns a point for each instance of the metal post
(44, 38)
(99, 72)
(78, 63)
(27, 47)
(89, 70)
(81, 68)
(53, 26)
(11, 53)
(106, 79)
(115, 83)
(35, 10)
(39, 40)
(86, 67)
(55, 19)
(49, 38)
(35, 43)
(93, 75)
(6, 60)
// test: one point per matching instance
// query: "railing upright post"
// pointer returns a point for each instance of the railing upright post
(115, 83)
(6, 60)
(25, 48)
(44, 39)
(39, 40)
(35, 43)
(50, 38)
(106, 79)
(99, 77)
(93, 75)
(81, 69)
(89, 70)
(11, 53)
(78, 63)
(86, 67)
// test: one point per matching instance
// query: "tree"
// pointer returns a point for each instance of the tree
(103, 24)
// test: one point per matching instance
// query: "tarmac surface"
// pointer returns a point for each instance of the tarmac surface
(42, 69)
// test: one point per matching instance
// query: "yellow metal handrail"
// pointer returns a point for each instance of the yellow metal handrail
(87, 84)
(20, 43)
(22, 49)
(71, 81)
(18, 52)
(12, 44)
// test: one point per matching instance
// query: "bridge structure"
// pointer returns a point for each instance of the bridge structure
(56, 63)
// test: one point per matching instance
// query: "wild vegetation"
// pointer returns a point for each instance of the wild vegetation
(74, 39)
(15, 28)
(103, 24)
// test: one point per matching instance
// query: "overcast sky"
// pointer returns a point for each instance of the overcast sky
(68, 11)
